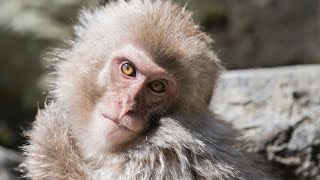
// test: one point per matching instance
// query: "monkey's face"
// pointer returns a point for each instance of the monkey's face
(133, 89)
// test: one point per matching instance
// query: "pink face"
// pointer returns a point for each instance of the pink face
(135, 88)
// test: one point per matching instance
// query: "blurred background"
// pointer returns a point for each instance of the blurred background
(247, 33)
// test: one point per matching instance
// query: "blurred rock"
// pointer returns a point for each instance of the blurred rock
(9, 160)
(262, 33)
(279, 110)
(27, 29)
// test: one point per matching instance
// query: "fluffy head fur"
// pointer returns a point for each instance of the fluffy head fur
(163, 30)
(188, 142)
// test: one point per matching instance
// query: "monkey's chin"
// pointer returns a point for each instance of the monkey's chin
(116, 134)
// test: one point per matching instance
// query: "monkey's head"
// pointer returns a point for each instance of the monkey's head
(130, 64)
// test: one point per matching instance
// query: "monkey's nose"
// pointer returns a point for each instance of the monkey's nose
(126, 107)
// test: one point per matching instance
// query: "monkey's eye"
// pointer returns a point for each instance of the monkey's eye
(157, 86)
(128, 69)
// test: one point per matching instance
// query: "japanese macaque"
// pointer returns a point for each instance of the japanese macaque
(130, 101)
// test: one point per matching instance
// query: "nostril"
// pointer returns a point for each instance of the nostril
(131, 107)
(131, 111)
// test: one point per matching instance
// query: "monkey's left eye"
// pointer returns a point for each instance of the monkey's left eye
(128, 69)
(157, 86)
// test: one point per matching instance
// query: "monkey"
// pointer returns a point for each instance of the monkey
(130, 100)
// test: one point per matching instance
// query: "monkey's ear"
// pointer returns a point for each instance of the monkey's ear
(104, 2)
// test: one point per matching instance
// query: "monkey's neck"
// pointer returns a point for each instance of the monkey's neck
(171, 152)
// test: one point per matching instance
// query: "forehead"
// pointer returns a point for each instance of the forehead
(160, 26)
(166, 32)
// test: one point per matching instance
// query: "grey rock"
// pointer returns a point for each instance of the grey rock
(27, 29)
(9, 160)
(44, 19)
(279, 110)
(265, 33)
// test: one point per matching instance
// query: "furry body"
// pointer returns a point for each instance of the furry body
(171, 152)
(186, 142)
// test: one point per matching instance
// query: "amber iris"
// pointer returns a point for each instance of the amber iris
(157, 86)
(128, 69)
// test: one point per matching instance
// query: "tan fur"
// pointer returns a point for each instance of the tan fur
(170, 152)
(51, 154)
(188, 143)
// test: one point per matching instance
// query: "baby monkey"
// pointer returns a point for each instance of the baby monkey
(130, 102)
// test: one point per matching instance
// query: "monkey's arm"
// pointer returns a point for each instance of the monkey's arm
(50, 153)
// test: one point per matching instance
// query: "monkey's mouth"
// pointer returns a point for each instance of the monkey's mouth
(116, 122)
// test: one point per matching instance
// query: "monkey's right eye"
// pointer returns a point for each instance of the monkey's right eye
(128, 69)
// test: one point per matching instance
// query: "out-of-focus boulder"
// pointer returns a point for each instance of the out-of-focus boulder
(9, 160)
(27, 29)
(279, 110)
(262, 33)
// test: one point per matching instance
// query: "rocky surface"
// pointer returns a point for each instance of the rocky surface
(263, 33)
(9, 160)
(279, 110)
(27, 29)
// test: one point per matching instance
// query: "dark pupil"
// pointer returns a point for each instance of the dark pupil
(127, 67)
